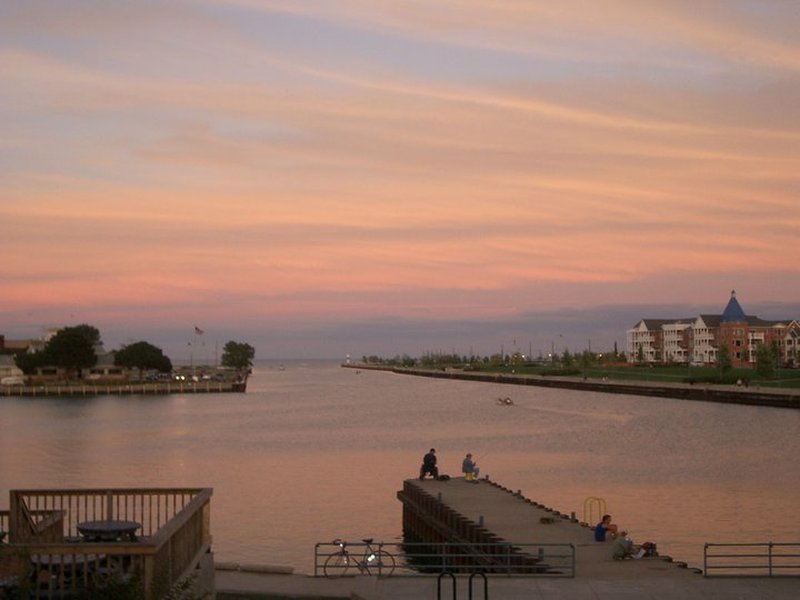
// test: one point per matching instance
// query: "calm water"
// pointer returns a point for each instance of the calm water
(315, 452)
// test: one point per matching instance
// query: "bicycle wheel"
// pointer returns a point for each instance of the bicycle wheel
(381, 564)
(336, 565)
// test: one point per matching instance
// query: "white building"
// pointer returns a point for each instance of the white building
(698, 340)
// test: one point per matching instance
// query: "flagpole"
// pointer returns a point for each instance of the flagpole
(197, 331)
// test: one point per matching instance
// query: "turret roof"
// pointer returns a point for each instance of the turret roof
(733, 313)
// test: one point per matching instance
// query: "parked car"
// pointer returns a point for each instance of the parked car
(12, 380)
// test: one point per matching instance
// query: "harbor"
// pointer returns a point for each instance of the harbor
(314, 452)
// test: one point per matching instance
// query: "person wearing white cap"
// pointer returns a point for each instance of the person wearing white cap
(622, 547)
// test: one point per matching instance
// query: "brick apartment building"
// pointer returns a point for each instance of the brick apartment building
(697, 339)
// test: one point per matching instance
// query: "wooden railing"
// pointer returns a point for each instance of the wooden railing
(4, 514)
(43, 527)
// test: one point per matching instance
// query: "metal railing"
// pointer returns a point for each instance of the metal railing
(502, 558)
(761, 559)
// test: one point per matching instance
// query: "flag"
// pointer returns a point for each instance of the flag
(198, 331)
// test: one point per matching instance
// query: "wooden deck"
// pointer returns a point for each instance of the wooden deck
(46, 557)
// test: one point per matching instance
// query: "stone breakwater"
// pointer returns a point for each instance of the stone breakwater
(729, 394)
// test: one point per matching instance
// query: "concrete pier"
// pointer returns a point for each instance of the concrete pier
(457, 506)
(488, 512)
(612, 586)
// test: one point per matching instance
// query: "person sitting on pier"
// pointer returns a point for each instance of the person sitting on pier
(429, 465)
(623, 547)
(470, 469)
(605, 527)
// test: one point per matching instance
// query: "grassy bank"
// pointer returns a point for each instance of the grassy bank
(784, 378)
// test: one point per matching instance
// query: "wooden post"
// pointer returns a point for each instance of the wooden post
(15, 518)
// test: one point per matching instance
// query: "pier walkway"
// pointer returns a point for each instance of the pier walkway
(503, 515)
(613, 585)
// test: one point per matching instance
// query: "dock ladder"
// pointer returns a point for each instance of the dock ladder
(589, 505)
(452, 578)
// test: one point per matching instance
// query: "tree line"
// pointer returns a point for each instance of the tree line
(74, 349)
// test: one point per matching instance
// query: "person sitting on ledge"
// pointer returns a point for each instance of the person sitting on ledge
(623, 548)
(470, 469)
(605, 527)
(429, 465)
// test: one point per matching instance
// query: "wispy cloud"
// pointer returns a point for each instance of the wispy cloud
(275, 159)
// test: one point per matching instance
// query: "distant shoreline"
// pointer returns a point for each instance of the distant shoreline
(726, 394)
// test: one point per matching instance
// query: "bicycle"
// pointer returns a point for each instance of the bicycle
(374, 561)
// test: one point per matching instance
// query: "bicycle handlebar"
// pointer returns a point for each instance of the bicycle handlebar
(342, 543)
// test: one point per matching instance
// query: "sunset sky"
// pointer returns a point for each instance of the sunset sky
(370, 176)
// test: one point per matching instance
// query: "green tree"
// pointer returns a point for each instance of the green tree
(237, 355)
(72, 348)
(640, 354)
(587, 359)
(28, 362)
(724, 359)
(89, 332)
(143, 356)
(767, 360)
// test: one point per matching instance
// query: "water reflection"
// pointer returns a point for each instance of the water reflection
(315, 452)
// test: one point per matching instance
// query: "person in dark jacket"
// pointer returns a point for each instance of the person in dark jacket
(429, 465)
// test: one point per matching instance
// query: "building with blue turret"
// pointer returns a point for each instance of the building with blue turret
(697, 340)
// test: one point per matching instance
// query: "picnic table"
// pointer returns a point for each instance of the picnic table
(109, 530)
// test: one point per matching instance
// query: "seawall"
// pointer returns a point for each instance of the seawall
(729, 394)
(125, 389)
